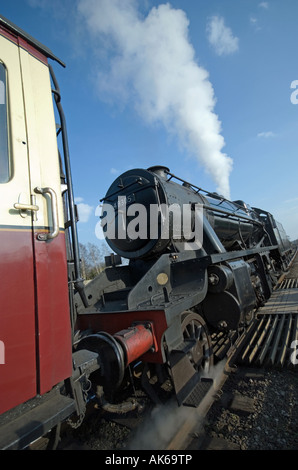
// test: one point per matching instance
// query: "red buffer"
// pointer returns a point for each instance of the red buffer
(136, 341)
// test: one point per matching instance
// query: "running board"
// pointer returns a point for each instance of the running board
(190, 388)
(18, 434)
(198, 393)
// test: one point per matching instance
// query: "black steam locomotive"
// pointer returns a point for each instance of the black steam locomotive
(189, 274)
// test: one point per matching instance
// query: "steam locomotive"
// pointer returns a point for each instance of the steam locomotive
(138, 325)
(180, 284)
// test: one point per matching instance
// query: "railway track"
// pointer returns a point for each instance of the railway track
(271, 339)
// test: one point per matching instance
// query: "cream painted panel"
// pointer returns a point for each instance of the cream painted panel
(41, 129)
(17, 189)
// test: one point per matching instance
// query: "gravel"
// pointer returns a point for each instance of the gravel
(96, 433)
(270, 419)
(257, 409)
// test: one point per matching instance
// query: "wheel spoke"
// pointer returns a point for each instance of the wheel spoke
(195, 329)
(198, 332)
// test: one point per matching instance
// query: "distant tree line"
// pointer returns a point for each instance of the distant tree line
(92, 259)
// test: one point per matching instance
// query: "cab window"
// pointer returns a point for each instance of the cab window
(4, 142)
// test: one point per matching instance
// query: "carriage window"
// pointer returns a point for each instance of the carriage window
(4, 146)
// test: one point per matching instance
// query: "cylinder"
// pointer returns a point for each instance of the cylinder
(136, 341)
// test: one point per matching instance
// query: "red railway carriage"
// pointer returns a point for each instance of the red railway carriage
(34, 322)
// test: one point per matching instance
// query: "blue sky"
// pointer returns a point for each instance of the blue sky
(203, 88)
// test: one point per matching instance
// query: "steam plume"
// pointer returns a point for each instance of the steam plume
(153, 65)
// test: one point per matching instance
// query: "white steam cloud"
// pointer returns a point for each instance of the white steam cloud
(153, 66)
(221, 37)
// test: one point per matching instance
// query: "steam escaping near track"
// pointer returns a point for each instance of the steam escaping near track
(165, 421)
(160, 426)
(153, 65)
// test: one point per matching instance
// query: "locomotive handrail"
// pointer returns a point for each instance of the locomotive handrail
(106, 198)
(198, 189)
(184, 181)
(231, 214)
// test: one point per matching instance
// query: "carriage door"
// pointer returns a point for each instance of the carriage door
(53, 348)
(17, 291)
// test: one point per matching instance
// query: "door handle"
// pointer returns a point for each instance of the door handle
(25, 207)
(54, 211)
